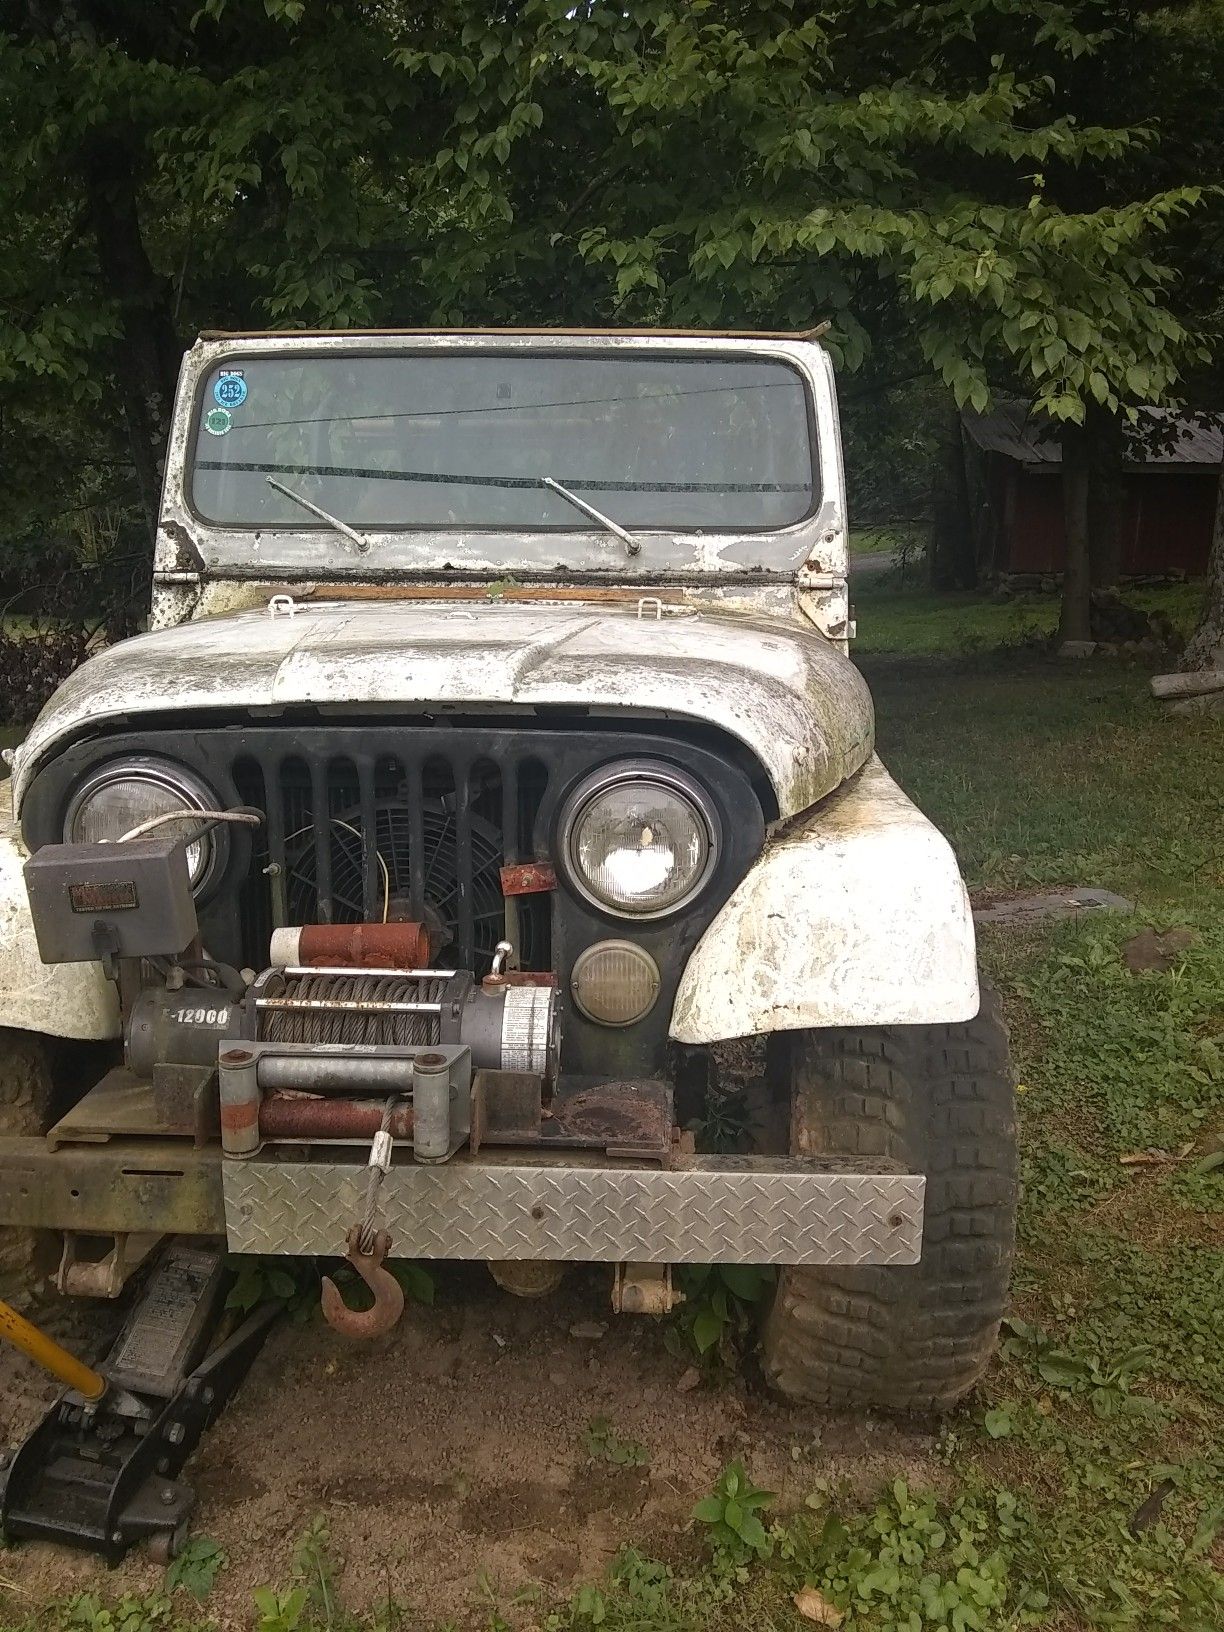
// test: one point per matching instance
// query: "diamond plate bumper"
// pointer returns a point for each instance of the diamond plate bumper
(710, 1210)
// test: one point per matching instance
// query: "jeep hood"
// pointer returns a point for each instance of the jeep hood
(790, 697)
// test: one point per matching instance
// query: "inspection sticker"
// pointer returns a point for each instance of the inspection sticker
(217, 421)
(230, 390)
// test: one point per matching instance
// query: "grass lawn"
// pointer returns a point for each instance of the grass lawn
(910, 620)
(1083, 1486)
(886, 540)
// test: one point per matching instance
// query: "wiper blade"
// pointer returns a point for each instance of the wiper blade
(632, 545)
(359, 540)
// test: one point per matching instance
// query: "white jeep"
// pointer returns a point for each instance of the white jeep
(494, 754)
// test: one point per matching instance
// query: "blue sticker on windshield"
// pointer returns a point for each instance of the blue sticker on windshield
(230, 391)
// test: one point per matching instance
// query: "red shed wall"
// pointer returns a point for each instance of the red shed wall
(1167, 520)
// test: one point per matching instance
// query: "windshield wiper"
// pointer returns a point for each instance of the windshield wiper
(359, 540)
(632, 545)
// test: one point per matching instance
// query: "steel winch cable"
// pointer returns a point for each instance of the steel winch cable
(379, 1163)
(379, 1023)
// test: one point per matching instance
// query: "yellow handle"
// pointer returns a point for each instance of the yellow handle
(45, 1352)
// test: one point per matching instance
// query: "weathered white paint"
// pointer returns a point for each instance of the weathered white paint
(795, 701)
(62, 1000)
(190, 550)
(855, 915)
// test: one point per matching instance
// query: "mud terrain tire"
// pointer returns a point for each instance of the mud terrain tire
(939, 1099)
(25, 1106)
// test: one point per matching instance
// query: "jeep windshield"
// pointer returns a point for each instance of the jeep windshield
(463, 440)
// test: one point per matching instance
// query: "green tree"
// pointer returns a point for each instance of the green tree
(908, 171)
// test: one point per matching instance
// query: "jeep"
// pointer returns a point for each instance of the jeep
(493, 759)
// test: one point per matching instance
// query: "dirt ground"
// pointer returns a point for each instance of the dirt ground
(449, 1460)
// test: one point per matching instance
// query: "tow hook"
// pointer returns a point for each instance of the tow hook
(388, 1293)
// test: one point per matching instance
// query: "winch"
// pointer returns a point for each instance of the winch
(347, 1031)
(348, 1037)
(302, 1034)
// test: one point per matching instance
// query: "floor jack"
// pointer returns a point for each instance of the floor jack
(99, 1471)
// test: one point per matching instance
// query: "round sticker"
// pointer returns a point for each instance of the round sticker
(230, 391)
(217, 421)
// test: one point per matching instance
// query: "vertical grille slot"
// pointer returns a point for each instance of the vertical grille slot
(464, 881)
(278, 880)
(254, 904)
(373, 894)
(415, 794)
(321, 837)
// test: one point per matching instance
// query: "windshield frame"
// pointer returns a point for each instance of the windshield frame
(311, 548)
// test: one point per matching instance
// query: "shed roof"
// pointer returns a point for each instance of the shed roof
(1162, 437)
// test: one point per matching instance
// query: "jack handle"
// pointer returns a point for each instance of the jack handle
(46, 1352)
(388, 1293)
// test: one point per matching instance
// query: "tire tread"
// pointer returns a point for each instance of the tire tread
(941, 1100)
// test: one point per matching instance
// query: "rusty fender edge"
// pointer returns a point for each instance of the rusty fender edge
(122, 1187)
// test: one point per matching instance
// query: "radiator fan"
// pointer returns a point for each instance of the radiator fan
(438, 865)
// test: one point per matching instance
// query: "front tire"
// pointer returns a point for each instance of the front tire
(939, 1100)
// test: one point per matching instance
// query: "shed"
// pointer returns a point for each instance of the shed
(1170, 471)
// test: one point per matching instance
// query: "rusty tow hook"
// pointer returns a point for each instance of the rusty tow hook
(388, 1293)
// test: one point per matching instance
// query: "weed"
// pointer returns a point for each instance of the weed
(87, 1611)
(641, 1594)
(602, 1443)
(417, 1282)
(725, 1125)
(311, 1600)
(315, 1566)
(293, 1282)
(196, 1568)
(718, 1317)
(733, 1516)
(999, 1423)
(280, 1611)
(1106, 1386)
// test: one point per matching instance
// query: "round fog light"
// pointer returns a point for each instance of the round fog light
(615, 983)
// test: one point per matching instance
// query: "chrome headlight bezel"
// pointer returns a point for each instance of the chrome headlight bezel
(186, 785)
(662, 775)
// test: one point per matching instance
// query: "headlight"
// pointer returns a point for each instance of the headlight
(117, 797)
(638, 839)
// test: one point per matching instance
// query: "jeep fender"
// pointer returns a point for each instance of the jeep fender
(62, 1000)
(854, 914)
